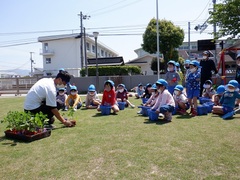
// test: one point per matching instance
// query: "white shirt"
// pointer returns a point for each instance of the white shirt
(42, 90)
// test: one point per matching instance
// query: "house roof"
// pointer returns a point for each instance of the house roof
(140, 60)
(106, 61)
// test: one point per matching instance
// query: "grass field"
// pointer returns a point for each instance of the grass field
(125, 146)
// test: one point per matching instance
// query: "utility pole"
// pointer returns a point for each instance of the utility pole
(82, 17)
(81, 40)
(189, 48)
(32, 62)
(214, 33)
(158, 38)
(85, 52)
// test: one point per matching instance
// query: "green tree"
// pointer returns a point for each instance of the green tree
(170, 38)
(227, 17)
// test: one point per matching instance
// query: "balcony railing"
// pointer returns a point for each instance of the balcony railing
(46, 52)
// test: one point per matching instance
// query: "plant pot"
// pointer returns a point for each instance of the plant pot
(27, 137)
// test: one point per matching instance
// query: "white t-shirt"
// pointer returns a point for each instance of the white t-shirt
(43, 90)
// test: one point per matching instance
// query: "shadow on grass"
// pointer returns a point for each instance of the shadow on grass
(157, 122)
(99, 114)
(184, 117)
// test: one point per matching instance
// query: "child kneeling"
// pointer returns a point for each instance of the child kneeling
(228, 99)
(181, 100)
(109, 96)
(165, 104)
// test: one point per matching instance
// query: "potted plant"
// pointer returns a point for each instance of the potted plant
(25, 126)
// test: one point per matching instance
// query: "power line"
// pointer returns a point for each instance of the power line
(18, 44)
(117, 8)
(106, 7)
(201, 12)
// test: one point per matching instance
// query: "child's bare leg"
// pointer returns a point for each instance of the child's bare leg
(129, 103)
(115, 108)
(182, 105)
(195, 102)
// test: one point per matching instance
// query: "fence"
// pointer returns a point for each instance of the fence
(20, 86)
(16, 86)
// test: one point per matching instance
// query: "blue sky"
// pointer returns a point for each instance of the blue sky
(24, 21)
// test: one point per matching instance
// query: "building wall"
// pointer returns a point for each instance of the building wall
(65, 53)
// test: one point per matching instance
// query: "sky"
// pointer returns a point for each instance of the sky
(120, 24)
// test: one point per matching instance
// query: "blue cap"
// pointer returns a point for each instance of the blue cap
(187, 61)
(140, 84)
(162, 82)
(177, 64)
(233, 83)
(121, 85)
(148, 85)
(208, 82)
(110, 82)
(179, 87)
(154, 86)
(91, 88)
(172, 62)
(61, 89)
(220, 89)
(195, 63)
(73, 88)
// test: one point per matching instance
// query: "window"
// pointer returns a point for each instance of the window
(48, 60)
(45, 47)
(88, 47)
(105, 54)
(93, 48)
(102, 53)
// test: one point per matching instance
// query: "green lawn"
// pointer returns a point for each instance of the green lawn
(125, 146)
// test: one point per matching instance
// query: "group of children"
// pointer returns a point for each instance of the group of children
(178, 99)
(164, 96)
(110, 97)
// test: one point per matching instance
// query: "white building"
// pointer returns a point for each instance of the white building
(63, 51)
(143, 60)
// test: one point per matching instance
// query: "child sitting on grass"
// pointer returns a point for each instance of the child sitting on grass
(208, 90)
(139, 91)
(152, 100)
(228, 99)
(147, 94)
(109, 96)
(73, 100)
(216, 97)
(181, 100)
(165, 103)
(61, 98)
(122, 95)
(92, 100)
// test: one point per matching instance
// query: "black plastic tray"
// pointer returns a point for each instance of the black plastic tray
(27, 138)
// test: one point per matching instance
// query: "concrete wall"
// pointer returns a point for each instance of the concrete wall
(130, 81)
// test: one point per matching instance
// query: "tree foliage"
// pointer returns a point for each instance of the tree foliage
(170, 38)
(227, 17)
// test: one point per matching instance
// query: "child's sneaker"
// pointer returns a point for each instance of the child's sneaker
(168, 116)
(161, 116)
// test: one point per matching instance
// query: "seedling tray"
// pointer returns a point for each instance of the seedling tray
(27, 138)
